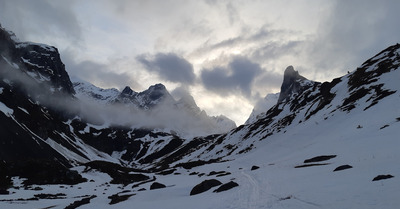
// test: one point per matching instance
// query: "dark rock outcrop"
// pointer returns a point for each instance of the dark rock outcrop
(116, 198)
(254, 167)
(227, 186)
(204, 186)
(343, 167)
(81, 202)
(157, 185)
(319, 158)
(382, 177)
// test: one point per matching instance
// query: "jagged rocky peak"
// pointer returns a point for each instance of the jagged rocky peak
(128, 91)
(147, 99)
(157, 92)
(292, 83)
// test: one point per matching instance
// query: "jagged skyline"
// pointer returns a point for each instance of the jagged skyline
(227, 54)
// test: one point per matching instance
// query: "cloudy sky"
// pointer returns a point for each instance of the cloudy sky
(227, 54)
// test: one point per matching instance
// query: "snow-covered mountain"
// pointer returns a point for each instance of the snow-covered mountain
(322, 145)
(87, 91)
(156, 102)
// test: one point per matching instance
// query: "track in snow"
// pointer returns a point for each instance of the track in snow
(253, 190)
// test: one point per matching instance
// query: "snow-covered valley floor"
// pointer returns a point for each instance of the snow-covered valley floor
(361, 143)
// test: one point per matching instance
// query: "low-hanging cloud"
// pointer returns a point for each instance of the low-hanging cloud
(236, 78)
(169, 66)
(163, 117)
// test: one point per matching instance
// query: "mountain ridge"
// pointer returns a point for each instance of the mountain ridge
(153, 100)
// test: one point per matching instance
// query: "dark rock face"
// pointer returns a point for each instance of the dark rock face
(5, 180)
(204, 186)
(29, 72)
(227, 186)
(157, 185)
(44, 171)
(45, 61)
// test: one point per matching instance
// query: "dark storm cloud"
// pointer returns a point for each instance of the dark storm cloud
(40, 18)
(237, 77)
(169, 66)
